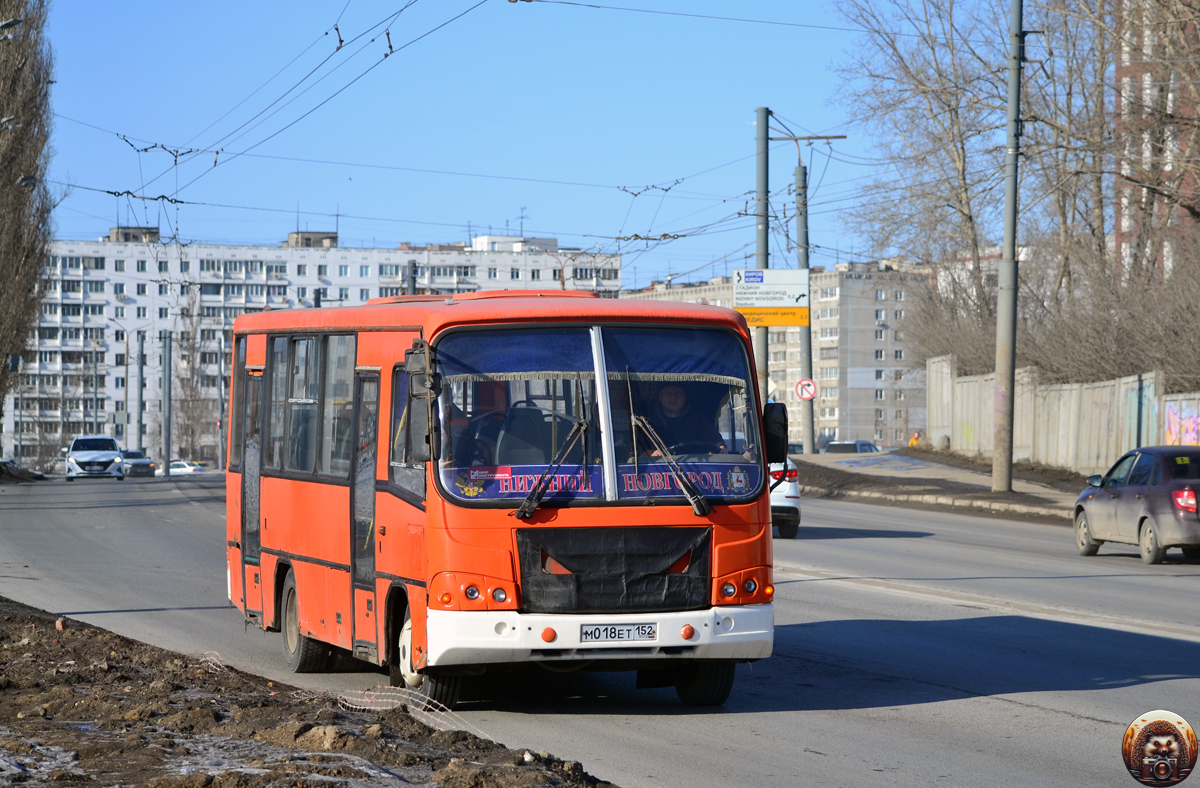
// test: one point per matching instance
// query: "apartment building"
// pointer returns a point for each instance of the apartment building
(80, 371)
(866, 389)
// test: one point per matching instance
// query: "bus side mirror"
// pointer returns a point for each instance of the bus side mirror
(775, 425)
(424, 387)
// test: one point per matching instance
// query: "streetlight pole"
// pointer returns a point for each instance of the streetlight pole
(166, 402)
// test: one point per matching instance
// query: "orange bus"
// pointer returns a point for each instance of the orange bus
(468, 485)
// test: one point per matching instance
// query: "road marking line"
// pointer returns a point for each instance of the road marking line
(1177, 631)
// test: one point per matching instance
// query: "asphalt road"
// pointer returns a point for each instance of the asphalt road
(912, 647)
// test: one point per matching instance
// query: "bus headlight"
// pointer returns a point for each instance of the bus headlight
(750, 586)
(729, 589)
(499, 595)
(471, 593)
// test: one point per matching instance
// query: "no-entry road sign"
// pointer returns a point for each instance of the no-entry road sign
(806, 389)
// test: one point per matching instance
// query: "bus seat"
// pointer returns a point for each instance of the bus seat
(302, 439)
(524, 439)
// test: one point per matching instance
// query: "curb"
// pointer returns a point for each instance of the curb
(948, 501)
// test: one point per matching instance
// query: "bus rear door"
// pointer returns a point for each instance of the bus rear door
(362, 515)
(251, 510)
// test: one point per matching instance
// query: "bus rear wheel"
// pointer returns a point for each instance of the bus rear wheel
(303, 654)
(441, 690)
(705, 683)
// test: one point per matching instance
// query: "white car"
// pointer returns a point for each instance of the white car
(785, 499)
(182, 468)
(95, 456)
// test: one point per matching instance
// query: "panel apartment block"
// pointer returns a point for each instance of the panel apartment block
(80, 366)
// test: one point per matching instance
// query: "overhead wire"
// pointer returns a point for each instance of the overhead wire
(215, 146)
(338, 92)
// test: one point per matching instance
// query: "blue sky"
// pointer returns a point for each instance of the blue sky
(566, 103)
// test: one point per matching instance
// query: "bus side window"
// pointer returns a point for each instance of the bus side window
(337, 422)
(302, 406)
(278, 401)
(237, 404)
(407, 475)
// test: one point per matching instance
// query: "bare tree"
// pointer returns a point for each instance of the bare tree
(923, 80)
(25, 199)
(1111, 144)
(194, 397)
(1067, 150)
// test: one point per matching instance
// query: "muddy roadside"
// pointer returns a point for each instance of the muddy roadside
(935, 492)
(81, 705)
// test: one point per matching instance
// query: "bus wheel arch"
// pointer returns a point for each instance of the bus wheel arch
(302, 653)
(282, 570)
(396, 606)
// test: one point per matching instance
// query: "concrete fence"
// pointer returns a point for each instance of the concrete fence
(1081, 426)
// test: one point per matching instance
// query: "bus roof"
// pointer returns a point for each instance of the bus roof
(432, 314)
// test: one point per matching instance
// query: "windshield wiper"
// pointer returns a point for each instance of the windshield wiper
(531, 502)
(700, 504)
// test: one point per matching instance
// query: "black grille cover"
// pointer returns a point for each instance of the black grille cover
(614, 570)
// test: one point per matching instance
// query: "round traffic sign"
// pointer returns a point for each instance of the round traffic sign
(806, 389)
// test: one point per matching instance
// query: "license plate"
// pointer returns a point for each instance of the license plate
(614, 633)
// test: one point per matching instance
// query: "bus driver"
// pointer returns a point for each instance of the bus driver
(678, 424)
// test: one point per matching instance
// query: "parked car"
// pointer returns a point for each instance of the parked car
(181, 468)
(137, 463)
(1147, 498)
(795, 448)
(785, 499)
(850, 447)
(94, 456)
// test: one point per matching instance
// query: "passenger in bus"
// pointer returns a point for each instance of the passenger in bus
(681, 425)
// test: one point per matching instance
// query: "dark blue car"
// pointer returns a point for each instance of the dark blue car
(1147, 498)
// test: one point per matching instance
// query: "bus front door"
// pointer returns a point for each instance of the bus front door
(362, 515)
(251, 514)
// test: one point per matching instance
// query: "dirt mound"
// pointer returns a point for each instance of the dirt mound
(11, 474)
(81, 704)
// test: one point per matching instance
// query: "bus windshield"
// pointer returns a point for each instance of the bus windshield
(685, 391)
(516, 402)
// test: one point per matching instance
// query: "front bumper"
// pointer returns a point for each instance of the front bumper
(741, 632)
(86, 471)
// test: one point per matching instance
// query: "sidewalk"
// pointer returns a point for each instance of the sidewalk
(896, 478)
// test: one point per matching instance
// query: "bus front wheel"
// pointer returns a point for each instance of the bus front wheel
(303, 654)
(442, 690)
(705, 683)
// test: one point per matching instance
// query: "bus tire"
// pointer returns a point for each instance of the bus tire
(303, 654)
(705, 683)
(443, 690)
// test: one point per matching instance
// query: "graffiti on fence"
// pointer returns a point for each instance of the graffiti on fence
(1183, 423)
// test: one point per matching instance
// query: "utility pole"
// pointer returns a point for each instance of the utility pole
(95, 389)
(166, 402)
(125, 429)
(141, 402)
(761, 254)
(1006, 302)
(807, 430)
(15, 362)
